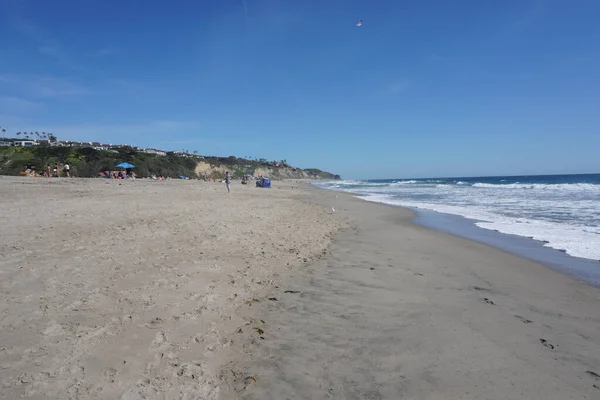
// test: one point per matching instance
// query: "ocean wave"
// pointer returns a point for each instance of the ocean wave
(398, 183)
(575, 239)
(447, 183)
(350, 184)
(540, 186)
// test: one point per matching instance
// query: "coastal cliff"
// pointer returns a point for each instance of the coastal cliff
(215, 168)
(87, 162)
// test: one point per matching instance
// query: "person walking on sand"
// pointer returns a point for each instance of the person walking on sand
(228, 181)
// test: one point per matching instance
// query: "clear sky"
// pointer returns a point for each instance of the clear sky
(422, 88)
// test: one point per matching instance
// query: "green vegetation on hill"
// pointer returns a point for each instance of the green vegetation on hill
(322, 174)
(88, 162)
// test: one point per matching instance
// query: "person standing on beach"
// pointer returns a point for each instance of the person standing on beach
(228, 181)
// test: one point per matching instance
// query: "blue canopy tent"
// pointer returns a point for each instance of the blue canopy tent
(125, 165)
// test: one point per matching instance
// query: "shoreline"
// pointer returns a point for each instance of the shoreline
(582, 269)
(401, 310)
(137, 290)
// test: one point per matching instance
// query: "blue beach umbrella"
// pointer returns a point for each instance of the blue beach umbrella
(125, 165)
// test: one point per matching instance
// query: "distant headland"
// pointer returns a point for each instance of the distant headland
(36, 151)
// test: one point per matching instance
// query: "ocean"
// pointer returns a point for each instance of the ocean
(561, 211)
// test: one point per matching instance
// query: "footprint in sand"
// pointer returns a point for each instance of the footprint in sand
(198, 339)
(547, 344)
(593, 374)
(192, 371)
(524, 320)
(159, 340)
(155, 322)
(109, 375)
(488, 301)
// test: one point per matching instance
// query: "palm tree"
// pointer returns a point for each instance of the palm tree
(18, 133)
(3, 132)
(37, 134)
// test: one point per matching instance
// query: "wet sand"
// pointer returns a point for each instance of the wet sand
(176, 290)
(398, 311)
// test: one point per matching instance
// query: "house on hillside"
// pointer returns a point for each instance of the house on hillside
(25, 143)
(46, 142)
(155, 151)
(18, 142)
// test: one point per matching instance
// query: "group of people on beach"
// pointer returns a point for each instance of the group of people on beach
(56, 171)
(118, 174)
(51, 171)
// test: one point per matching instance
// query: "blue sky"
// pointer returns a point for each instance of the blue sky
(423, 88)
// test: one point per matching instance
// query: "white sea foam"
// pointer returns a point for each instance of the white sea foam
(575, 240)
(541, 186)
(565, 217)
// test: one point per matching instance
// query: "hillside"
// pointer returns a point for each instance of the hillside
(322, 174)
(88, 162)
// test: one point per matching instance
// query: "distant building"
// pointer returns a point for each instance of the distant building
(25, 143)
(95, 145)
(155, 151)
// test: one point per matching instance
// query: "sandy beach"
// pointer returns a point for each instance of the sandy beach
(403, 312)
(177, 290)
(137, 289)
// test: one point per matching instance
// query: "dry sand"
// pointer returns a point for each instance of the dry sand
(402, 312)
(138, 289)
(176, 290)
